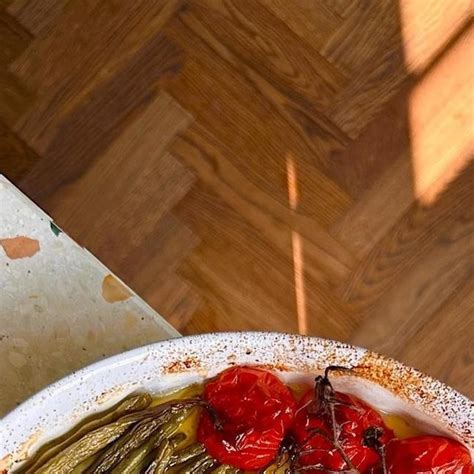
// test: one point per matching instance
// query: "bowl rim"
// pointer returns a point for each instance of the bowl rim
(433, 397)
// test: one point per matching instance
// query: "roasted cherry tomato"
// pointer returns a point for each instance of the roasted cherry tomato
(427, 455)
(255, 410)
(314, 434)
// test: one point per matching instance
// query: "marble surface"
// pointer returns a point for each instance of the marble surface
(60, 308)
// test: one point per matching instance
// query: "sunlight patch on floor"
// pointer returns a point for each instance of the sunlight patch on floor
(427, 28)
(441, 113)
(297, 245)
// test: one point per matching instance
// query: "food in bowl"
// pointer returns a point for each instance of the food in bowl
(248, 420)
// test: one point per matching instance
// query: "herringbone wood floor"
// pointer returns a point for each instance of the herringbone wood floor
(298, 165)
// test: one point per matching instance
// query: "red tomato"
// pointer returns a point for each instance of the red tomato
(428, 455)
(318, 449)
(255, 410)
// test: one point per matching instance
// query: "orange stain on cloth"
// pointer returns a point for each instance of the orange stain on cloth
(113, 290)
(20, 247)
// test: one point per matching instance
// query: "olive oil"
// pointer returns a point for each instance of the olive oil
(400, 426)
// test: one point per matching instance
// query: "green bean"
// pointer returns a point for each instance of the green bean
(205, 466)
(276, 468)
(199, 465)
(54, 447)
(89, 445)
(270, 469)
(80, 468)
(170, 428)
(225, 469)
(134, 462)
(163, 454)
(94, 435)
(159, 465)
(187, 454)
(137, 436)
(120, 449)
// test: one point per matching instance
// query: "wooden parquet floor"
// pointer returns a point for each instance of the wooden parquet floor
(298, 166)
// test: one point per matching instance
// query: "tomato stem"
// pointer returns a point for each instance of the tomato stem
(371, 439)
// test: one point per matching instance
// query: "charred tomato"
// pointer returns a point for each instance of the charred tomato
(252, 411)
(314, 433)
(427, 454)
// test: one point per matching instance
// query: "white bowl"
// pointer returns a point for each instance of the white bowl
(383, 383)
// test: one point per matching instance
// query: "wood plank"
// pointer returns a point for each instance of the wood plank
(173, 298)
(212, 91)
(90, 203)
(150, 270)
(379, 208)
(385, 140)
(267, 46)
(37, 16)
(13, 38)
(242, 275)
(326, 315)
(4, 4)
(167, 246)
(342, 8)
(421, 292)
(440, 118)
(418, 233)
(84, 130)
(353, 48)
(454, 323)
(15, 98)
(16, 158)
(245, 278)
(369, 91)
(206, 318)
(428, 28)
(376, 54)
(103, 37)
(312, 25)
(373, 57)
(213, 164)
(305, 116)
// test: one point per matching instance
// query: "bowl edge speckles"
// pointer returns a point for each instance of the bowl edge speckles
(177, 362)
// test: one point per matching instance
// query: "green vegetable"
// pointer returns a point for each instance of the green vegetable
(51, 449)
(224, 469)
(135, 462)
(120, 449)
(89, 445)
(121, 440)
(187, 454)
(199, 465)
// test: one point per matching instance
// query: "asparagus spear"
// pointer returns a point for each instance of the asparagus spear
(170, 422)
(134, 463)
(225, 469)
(163, 454)
(51, 449)
(90, 444)
(187, 454)
(199, 465)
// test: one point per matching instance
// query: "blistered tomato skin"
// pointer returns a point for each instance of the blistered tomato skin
(428, 455)
(314, 435)
(255, 410)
